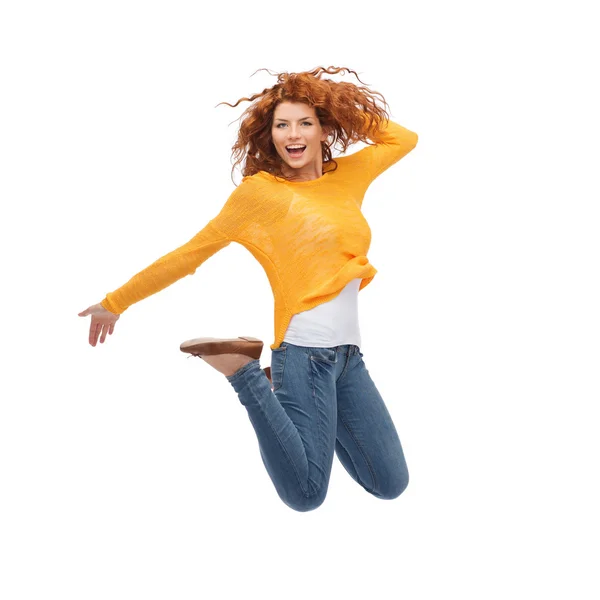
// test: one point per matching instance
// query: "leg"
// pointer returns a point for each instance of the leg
(227, 364)
(295, 422)
(367, 443)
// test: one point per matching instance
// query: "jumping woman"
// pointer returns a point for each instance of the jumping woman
(297, 210)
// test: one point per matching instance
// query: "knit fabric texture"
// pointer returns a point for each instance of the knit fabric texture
(310, 237)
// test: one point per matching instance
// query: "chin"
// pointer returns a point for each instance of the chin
(293, 167)
(297, 164)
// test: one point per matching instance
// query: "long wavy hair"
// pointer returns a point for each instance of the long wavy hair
(349, 112)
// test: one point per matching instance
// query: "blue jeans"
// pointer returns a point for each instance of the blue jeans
(321, 400)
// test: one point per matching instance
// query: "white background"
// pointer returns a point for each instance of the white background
(128, 471)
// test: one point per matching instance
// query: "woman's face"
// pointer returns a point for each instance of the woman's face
(296, 124)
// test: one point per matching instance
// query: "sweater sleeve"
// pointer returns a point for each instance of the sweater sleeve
(371, 161)
(167, 269)
(218, 233)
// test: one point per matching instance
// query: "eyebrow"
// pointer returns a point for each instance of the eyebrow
(302, 119)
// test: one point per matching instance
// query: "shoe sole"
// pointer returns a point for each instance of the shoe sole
(208, 346)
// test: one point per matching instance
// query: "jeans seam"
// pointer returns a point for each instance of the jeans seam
(345, 367)
(351, 462)
(290, 460)
(360, 449)
(319, 428)
(284, 353)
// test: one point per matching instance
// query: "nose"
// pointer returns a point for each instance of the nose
(293, 134)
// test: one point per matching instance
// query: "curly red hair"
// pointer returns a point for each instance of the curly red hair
(349, 112)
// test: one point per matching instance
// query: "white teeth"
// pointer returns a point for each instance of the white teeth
(295, 146)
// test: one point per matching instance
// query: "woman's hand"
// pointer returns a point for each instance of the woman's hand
(102, 321)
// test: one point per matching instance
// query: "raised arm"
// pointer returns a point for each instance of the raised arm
(396, 142)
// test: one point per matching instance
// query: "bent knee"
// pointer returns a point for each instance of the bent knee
(392, 487)
(304, 503)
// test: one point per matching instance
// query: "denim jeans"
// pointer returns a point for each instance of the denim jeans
(321, 400)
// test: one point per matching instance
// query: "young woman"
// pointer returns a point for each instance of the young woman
(298, 212)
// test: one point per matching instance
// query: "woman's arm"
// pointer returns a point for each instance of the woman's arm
(216, 235)
(167, 270)
(395, 143)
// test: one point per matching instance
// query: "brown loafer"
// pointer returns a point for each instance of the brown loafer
(249, 346)
(267, 371)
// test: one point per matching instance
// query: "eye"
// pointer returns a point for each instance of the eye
(303, 123)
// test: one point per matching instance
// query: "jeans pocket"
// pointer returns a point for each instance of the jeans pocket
(327, 355)
(277, 367)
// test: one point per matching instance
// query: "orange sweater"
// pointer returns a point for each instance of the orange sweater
(310, 237)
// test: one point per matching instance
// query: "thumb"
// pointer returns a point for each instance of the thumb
(83, 313)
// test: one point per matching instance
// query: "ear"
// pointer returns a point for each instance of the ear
(325, 134)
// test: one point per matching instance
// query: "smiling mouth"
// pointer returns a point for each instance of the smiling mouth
(296, 152)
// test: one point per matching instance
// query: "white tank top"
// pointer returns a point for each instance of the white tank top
(332, 323)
